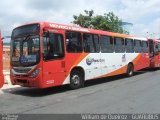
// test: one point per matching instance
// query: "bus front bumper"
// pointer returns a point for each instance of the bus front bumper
(25, 81)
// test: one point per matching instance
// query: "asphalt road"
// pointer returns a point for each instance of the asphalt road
(137, 94)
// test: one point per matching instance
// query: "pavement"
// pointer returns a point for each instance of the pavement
(137, 94)
(7, 87)
(1, 92)
(7, 82)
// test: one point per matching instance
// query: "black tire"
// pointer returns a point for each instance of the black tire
(76, 80)
(130, 70)
(159, 67)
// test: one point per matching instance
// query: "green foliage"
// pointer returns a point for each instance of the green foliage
(84, 20)
(108, 21)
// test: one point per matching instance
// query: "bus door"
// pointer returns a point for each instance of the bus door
(151, 51)
(145, 54)
(53, 59)
(1, 68)
(157, 54)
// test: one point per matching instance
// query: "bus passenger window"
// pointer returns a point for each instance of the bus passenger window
(145, 46)
(91, 43)
(73, 42)
(156, 49)
(96, 43)
(53, 46)
(137, 46)
(119, 45)
(129, 45)
(106, 43)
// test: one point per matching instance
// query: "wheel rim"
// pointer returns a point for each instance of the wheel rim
(75, 80)
(130, 70)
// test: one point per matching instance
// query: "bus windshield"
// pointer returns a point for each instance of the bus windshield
(25, 30)
(25, 51)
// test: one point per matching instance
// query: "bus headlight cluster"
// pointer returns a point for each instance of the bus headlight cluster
(35, 73)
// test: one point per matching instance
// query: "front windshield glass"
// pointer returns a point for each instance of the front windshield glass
(27, 29)
(25, 50)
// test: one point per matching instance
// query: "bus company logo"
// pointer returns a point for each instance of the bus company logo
(89, 60)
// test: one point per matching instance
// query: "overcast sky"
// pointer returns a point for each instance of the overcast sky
(144, 14)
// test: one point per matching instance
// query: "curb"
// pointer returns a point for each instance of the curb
(1, 92)
(7, 82)
(7, 86)
(6, 74)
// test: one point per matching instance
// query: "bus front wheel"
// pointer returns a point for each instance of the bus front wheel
(130, 70)
(76, 79)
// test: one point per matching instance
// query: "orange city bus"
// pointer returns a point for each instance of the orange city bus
(48, 54)
(1, 68)
(154, 48)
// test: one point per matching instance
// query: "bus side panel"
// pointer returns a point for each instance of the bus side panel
(158, 61)
(154, 58)
(142, 61)
(115, 63)
(110, 64)
(56, 72)
(155, 61)
(74, 60)
(1, 68)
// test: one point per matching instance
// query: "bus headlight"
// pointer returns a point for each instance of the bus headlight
(35, 73)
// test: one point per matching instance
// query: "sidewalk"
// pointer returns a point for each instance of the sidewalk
(6, 74)
(8, 86)
(7, 82)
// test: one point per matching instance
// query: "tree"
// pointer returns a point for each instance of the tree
(108, 21)
(84, 20)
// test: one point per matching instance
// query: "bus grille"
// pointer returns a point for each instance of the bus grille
(26, 70)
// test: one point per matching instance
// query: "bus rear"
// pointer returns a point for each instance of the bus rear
(154, 48)
(1, 68)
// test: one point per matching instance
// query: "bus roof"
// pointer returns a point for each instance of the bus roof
(155, 40)
(81, 29)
